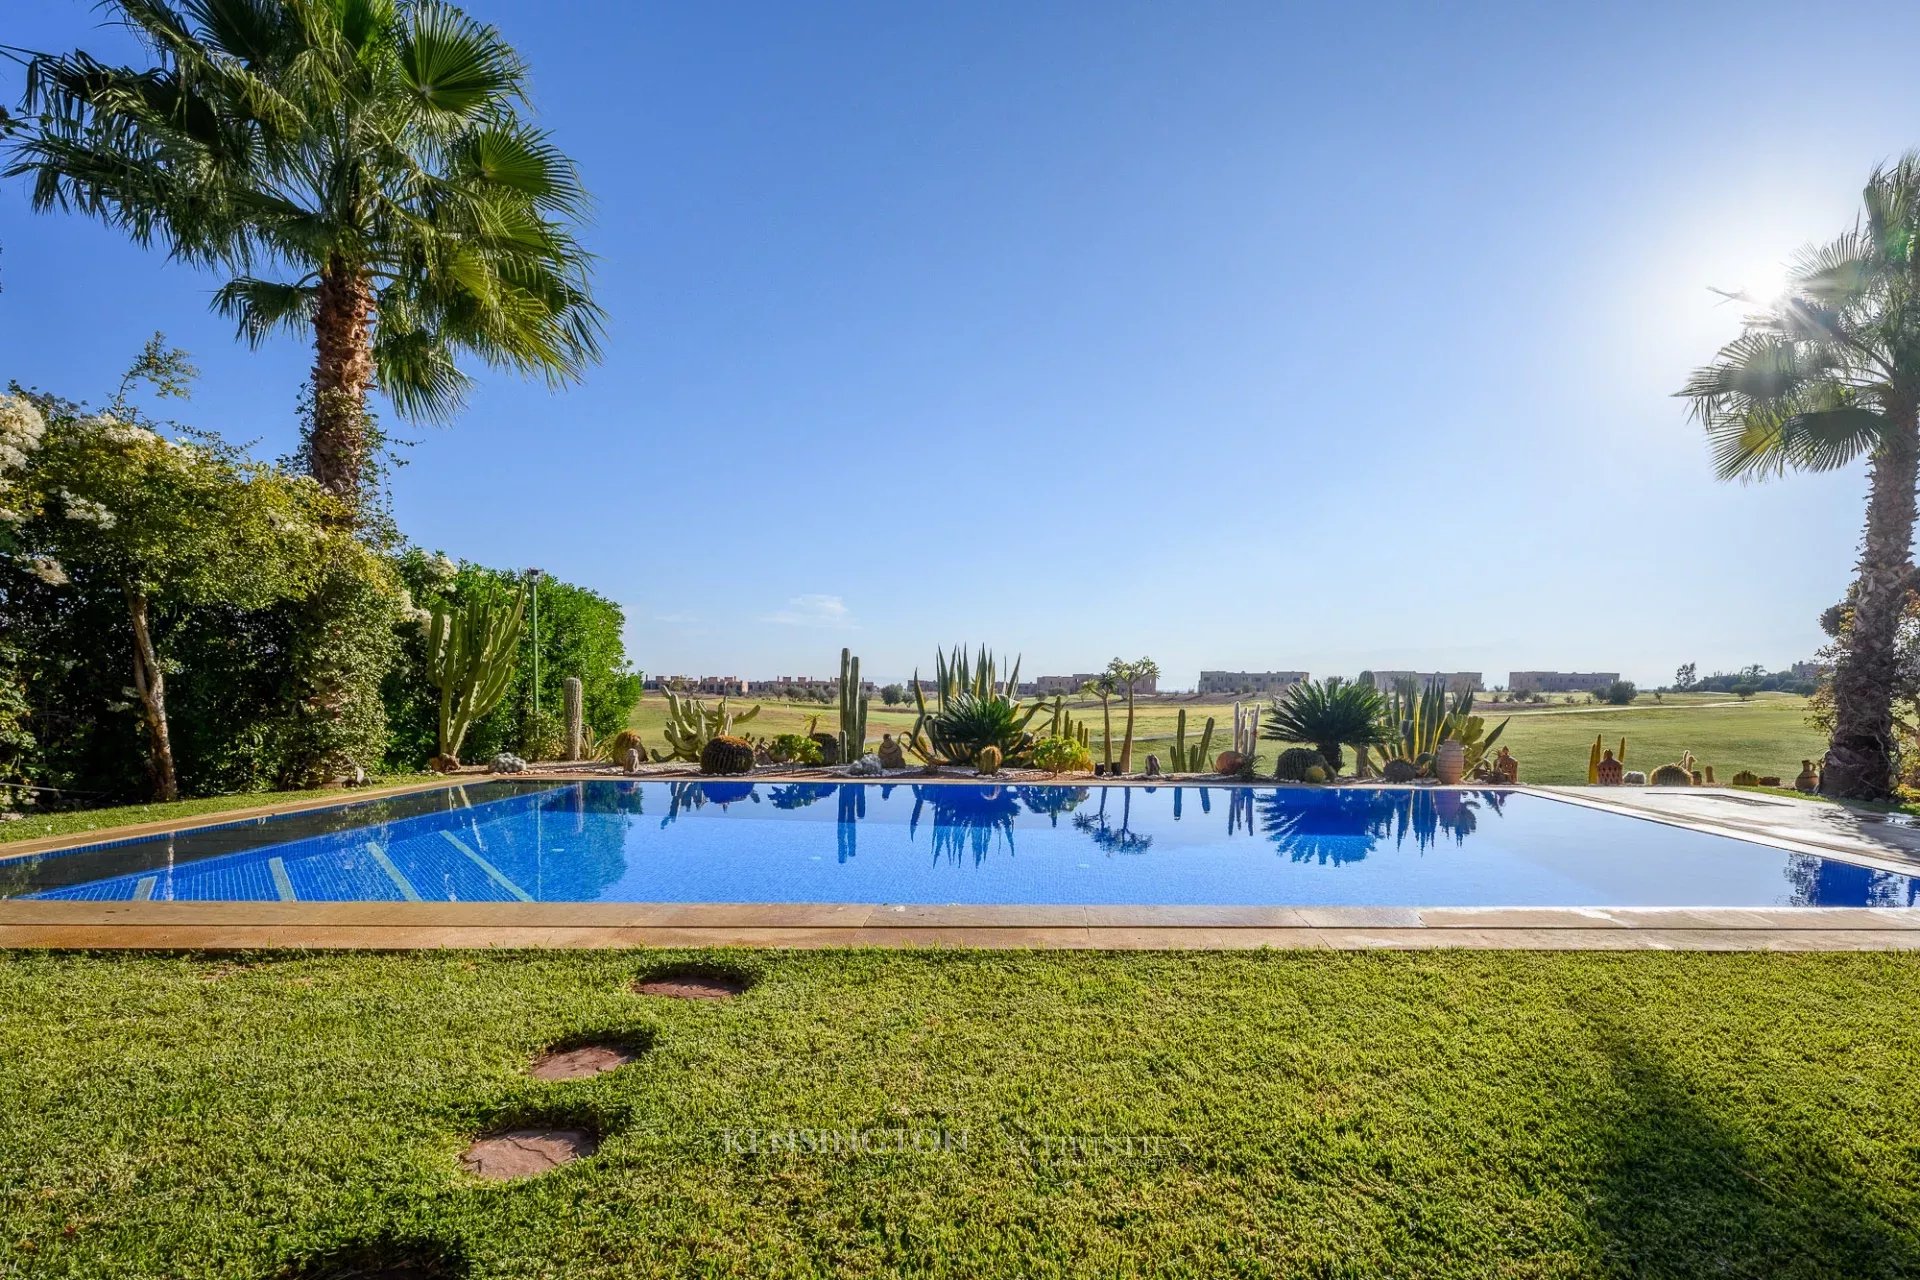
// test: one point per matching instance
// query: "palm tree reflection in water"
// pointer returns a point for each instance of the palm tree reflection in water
(1110, 839)
(1346, 824)
(965, 819)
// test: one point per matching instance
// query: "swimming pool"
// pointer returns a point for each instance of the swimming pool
(633, 841)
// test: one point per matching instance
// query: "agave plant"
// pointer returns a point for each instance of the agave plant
(969, 723)
(955, 677)
(1327, 715)
(1417, 721)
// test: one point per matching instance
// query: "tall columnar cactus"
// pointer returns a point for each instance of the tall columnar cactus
(1246, 730)
(691, 725)
(853, 709)
(574, 701)
(1191, 759)
(471, 654)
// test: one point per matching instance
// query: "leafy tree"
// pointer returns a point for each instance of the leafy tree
(369, 156)
(892, 694)
(1618, 694)
(1745, 689)
(109, 507)
(1684, 677)
(1127, 676)
(1824, 376)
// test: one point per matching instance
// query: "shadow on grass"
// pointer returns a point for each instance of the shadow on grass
(385, 1258)
(1682, 1193)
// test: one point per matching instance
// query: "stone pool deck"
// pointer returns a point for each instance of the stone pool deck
(1890, 842)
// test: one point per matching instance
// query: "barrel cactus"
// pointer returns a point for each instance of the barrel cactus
(727, 754)
(1294, 762)
(1315, 773)
(1746, 778)
(829, 744)
(1399, 772)
(1671, 775)
(987, 760)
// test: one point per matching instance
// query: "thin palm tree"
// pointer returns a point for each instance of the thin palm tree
(362, 170)
(1825, 375)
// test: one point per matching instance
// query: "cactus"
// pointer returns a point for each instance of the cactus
(1672, 775)
(1246, 730)
(1191, 759)
(1593, 762)
(829, 745)
(1316, 774)
(1399, 772)
(616, 747)
(471, 654)
(726, 754)
(853, 709)
(988, 760)
(1294, 762)
(692, 724)
(1746, 778)
(574, 703)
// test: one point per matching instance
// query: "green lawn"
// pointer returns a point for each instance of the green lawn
(1352, 1115)
(33, 825)
(1769, 735)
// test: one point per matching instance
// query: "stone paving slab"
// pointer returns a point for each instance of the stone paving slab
(397, 926)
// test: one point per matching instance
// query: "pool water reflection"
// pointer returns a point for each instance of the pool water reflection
(633, 841)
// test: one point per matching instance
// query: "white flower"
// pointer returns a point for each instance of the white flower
(21, 428)
(11, 517)
(117, 432)
(48, 570)
(87, 511)
(438, 568)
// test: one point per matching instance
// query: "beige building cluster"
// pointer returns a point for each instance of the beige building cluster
(1559, 681)
(1250, 681)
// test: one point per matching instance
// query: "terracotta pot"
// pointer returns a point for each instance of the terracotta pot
(1229, 762)
(1450, 763)
(1611, 771)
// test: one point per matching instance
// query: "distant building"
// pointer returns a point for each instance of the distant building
(1249, 681)
(788, 686)
(1047, 685)
(1451, 681)
(1560, 681)
(723, 685)
(1812, 670)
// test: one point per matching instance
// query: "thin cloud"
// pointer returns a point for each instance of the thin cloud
(812, 611)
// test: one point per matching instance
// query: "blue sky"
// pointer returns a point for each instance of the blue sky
(1238, 335)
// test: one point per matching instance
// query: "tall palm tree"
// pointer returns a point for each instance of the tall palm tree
(1827, 374)
(362, 169)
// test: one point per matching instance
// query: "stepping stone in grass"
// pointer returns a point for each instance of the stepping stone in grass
(580, 1061)
(691, 986)
(524, 1153)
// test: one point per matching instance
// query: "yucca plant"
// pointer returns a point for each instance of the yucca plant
(970, 723)
(1327, 715)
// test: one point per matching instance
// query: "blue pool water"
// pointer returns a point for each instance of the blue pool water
(620, 841)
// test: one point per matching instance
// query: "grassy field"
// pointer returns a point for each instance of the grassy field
(1353, 1115)
(1769, 735)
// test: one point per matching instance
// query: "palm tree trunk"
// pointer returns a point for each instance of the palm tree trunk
(150, 683)
(1860, 757)
(1106, 730)
(1126, 744)
(342, 375)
